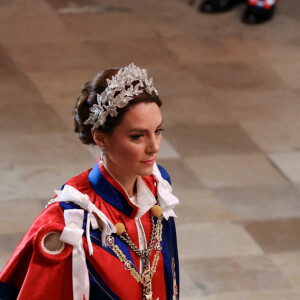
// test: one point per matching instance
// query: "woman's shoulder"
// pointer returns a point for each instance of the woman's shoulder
(51, 219)
(80, 182)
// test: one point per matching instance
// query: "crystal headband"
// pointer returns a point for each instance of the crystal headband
(121, 83)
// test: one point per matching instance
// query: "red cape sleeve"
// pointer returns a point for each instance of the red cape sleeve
(32, 272)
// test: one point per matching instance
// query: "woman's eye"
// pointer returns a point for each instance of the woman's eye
(159, 130)
(136, 137)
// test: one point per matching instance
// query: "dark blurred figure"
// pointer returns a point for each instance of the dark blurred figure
(257, 11)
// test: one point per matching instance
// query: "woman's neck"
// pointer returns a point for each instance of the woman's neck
(126, 180)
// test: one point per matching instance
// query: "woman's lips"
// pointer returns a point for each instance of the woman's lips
(148, 162)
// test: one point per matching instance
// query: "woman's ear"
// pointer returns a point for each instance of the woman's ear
(99, 138)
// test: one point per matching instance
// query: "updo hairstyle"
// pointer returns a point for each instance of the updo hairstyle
(88, 98)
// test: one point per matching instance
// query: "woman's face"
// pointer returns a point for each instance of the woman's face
(133, 146)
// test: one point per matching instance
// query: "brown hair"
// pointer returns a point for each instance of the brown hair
(88, 98)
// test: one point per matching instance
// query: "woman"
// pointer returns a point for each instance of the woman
(109, 233)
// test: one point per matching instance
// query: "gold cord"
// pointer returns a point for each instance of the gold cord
(146, 277)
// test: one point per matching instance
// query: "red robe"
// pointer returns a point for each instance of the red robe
(33, 274)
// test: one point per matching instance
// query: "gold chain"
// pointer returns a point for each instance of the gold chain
(146, 277)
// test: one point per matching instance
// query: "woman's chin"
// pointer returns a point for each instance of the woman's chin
(147, 171)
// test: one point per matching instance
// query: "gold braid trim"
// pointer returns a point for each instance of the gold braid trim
(146, 277)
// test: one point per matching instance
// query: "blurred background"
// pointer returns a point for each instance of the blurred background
(231, 110)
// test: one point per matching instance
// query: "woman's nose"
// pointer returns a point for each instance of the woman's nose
(153, 144)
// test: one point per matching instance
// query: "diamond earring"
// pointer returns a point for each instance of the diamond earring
(103, 152)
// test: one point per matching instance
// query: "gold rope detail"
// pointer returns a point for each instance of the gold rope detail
(146, 277)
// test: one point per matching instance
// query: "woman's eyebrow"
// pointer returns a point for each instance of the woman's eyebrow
(142, 130)
(137, 130)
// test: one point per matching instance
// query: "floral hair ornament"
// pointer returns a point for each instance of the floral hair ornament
(121, 83)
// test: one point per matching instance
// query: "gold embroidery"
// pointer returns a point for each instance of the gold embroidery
(175, 287)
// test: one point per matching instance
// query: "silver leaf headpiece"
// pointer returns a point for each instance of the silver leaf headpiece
(122, 82)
